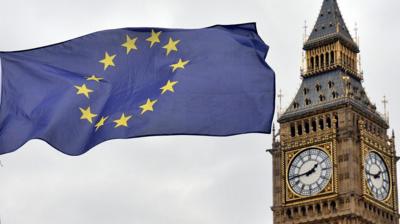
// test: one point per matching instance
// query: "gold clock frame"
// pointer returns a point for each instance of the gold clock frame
(329, 191)
(388, 202)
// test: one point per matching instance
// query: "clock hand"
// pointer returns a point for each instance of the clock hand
(308, 173)
(376, 176)
(312, 170)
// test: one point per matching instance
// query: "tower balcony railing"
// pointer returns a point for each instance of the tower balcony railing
(351, 70)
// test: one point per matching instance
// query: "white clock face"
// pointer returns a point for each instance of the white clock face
(310, 172)
(377, 174)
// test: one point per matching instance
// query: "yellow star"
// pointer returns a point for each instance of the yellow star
(148, 106)
(83, 90)
(108, 60)
(168, 87)
(87, 114)
(171, 46)
(154, 38)
(130, 44)
(101, 122)
(180, 64)
(122, 121)
(94, 78)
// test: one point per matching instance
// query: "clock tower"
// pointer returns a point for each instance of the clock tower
(333, 161)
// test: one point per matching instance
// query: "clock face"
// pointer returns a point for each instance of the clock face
(377, 175)
(310, 172)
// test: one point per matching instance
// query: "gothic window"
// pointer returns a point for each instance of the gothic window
(318, 208)
(303, 211)
(296, 105)
(321, 124)
(318, 87)
(333, 206)
(331, 84)
(314, 125)
(327, 59)
(299, 129)
(322, 98)
(337, 121)
(335, 95)
(289, 213)
(292, 131)
(322, 60)
(312, 62)
(307, 127)
(306, 91)
(332, 57)
(329, 122)
(310, 208)
(308, 102)
(317, 61)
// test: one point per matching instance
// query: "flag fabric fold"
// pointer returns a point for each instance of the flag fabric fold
(136, 82)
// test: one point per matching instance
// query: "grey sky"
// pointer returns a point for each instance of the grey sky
(175, 180)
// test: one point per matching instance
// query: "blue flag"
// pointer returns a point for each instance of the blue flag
(135, 82)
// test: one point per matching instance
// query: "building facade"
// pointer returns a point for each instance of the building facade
(333, 161)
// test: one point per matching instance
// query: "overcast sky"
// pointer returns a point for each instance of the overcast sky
(175, 180)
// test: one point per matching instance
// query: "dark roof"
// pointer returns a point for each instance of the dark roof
(329, 90)
(330, 26)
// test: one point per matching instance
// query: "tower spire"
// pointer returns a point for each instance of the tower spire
(330, 27)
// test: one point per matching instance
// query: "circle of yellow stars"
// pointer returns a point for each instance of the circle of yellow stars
(109, 61)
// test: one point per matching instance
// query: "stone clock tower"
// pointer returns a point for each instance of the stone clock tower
(333, 162)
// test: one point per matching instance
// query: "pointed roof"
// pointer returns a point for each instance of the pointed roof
(330, 27)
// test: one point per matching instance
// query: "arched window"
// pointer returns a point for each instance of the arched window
(316, 61)
(314, 125)
(333, 206)
(308, 102)
(329, 122)
(327, 59)
(321, 124)
(322, 98)
(299, 129)
(303, 211)
(318, 208)
(307, 127)
(331, 84)
(289, 213)
(292, 130)
(312, 62)
(318, 87)
(322, 60)
(332, 57)
(337, 121)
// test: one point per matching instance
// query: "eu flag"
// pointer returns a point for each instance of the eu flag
(135, 82)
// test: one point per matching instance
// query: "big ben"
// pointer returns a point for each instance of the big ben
(333, 161)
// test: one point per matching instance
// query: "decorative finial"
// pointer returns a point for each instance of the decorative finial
(356, 34)
(386, 112)
(305, 31)
(280, 96)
